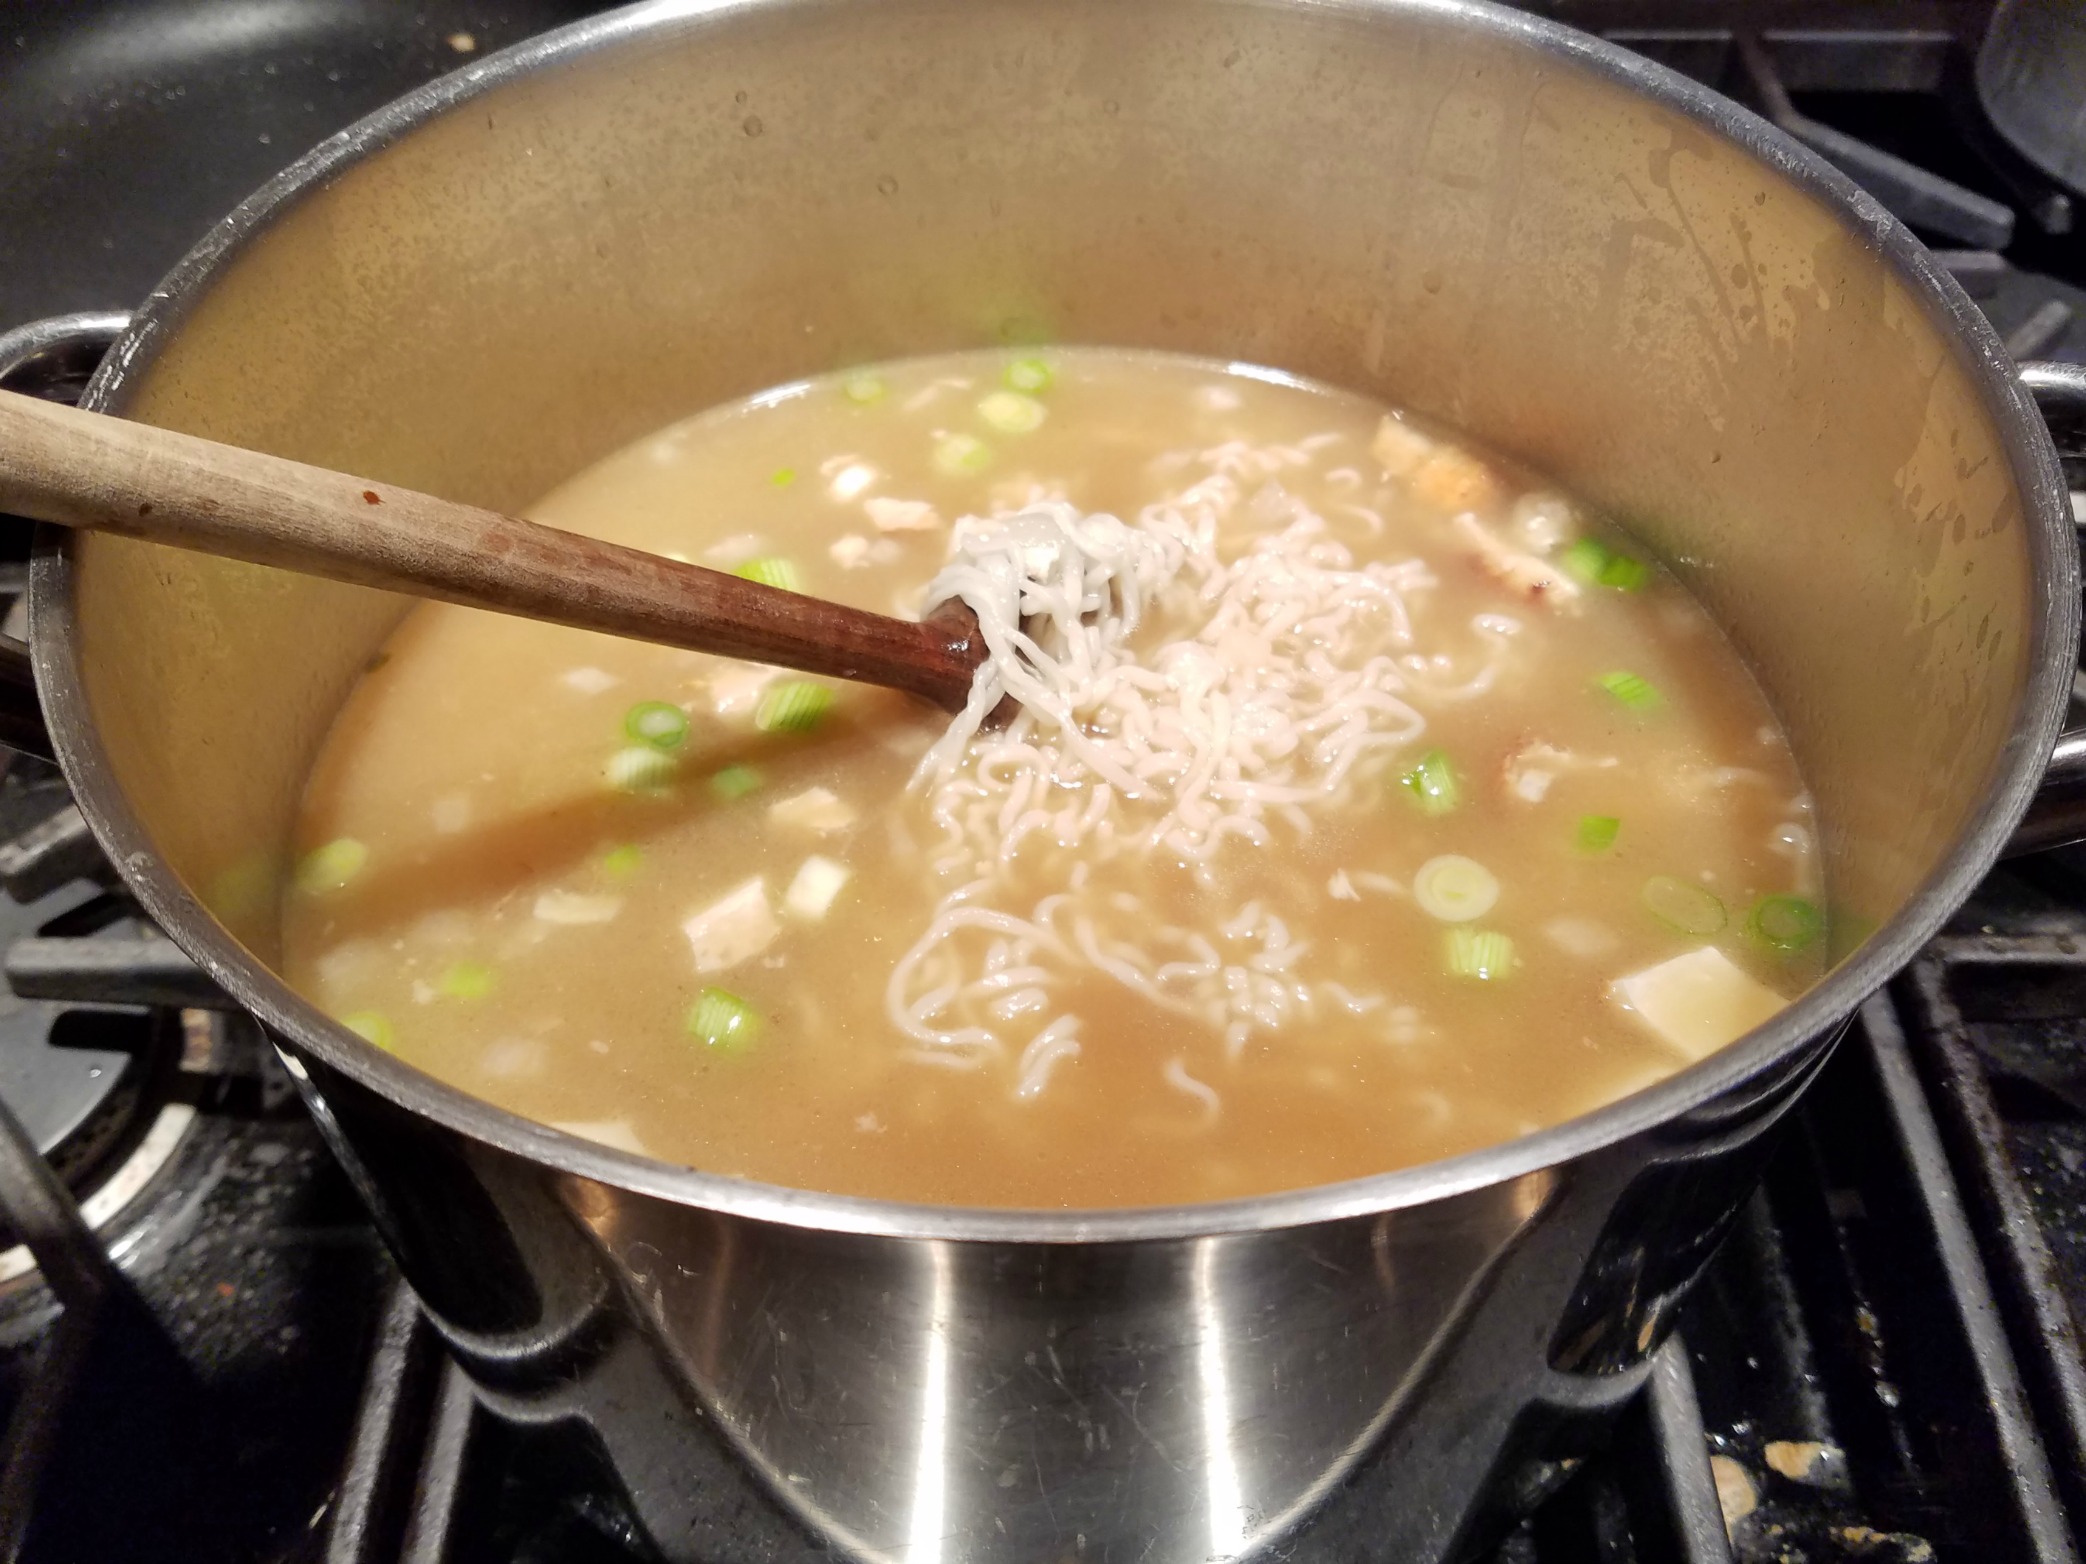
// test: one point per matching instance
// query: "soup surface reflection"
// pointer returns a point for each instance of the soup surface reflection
(1419, 811)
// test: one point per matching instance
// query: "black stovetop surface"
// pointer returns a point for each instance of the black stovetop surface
(1880, 1367)
(128, 127)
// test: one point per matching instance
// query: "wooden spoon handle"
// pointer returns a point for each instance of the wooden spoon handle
(77, 469)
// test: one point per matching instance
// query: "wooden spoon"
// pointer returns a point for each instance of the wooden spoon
(76, 469)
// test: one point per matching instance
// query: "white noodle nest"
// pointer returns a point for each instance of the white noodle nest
(1267, 671)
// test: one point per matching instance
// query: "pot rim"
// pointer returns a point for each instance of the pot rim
(1817, 1014)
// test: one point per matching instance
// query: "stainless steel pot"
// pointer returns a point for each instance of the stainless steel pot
(1570, 252)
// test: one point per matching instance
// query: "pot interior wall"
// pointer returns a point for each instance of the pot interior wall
(1384, 197)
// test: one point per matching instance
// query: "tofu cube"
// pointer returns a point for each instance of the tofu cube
(1698, 1002)
(815, 809)
(817, 882)
(735, 928)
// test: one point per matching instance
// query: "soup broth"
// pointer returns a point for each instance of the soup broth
(1417, 811)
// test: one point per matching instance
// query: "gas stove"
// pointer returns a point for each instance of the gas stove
(1883, 1364)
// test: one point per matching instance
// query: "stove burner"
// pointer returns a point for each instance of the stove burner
(91, 1085)
(73, 1076)
(92, 1082)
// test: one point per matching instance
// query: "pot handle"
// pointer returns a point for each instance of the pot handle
(2057, 815)
(53, 359)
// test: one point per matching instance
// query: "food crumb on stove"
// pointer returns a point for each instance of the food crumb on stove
(1904, 1546)
(463, 43)
(1736, 1496)
(1802, 1460)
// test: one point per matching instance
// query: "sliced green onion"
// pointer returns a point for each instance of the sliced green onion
(1785, 923)
(793, 706)
(958, 455)
(1479, 953)
(1632, 691)
(783, 477)
(724, 1021)
(863, 390)
(1028, 374)
(1585, 558)
(640, 769)
(330, 867)
(661, 724)
(735, 782)
(772, 571)
(1454, 889)
(1679, 905)
(1010, 412)
(621, 862)
(1597, 833)
(1593, 562)
(371, 1027)
(1624, 572)
(1432, 784)
(467, 980)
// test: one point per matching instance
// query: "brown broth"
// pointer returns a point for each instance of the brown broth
(467, 772)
